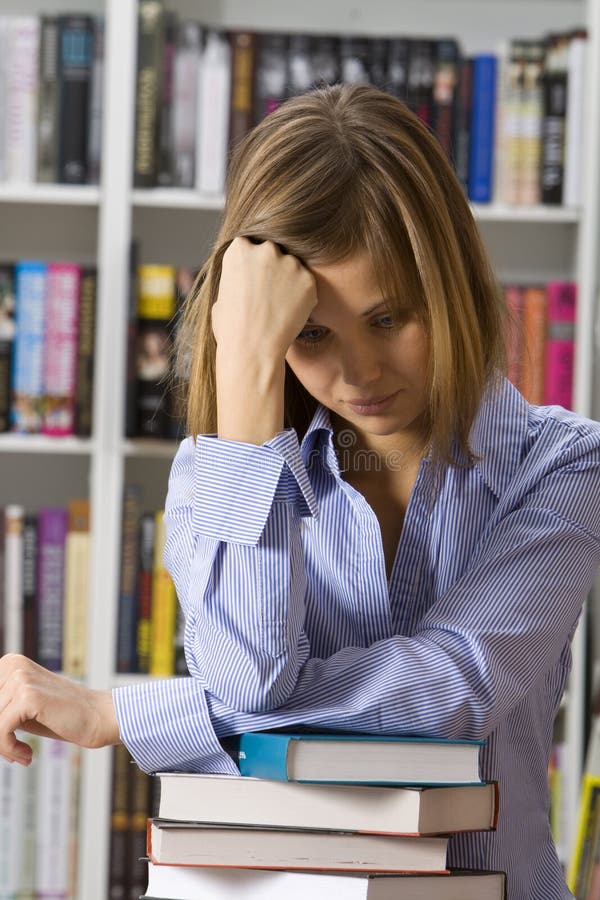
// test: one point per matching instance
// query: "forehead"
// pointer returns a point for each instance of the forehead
(350, 280)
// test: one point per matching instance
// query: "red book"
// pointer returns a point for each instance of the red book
(560, 343)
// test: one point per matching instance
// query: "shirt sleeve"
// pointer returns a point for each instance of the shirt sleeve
(233, 515)
(481, 646)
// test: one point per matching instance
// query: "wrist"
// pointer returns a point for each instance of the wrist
(107, 725)
(250, 395)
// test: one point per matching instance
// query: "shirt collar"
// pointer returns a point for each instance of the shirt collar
(497, 435)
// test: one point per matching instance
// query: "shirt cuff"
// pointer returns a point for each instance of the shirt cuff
(165, 725)
(236, 484)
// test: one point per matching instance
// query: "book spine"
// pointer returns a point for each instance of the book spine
(30, 564)
(213, 119)
(243, 53)
(164, 607)
(300, 64)
(145, 568)
(445, 94)
(47, 123)
(531, 124)
(130, 423)
(509, 144)
(77, 563)
(28, 371)
(463, 122)
(84, 368)
(264, 756)
(96, 102)
(397, 67)
(156, 309)
(12, 806)
(7, 340)
(2, 575)
(554, 119)
(120, 855)
(13, 579)
(270, 73)
(21, 99)
(149, 69)
(514, 301)
(140, 789)
(421, 67)
(165, 164)
(27, 834)
(127, 660)
(482, 129)
(60, 348)
(575, 120)
(75, 46)
(53, 808)
(534, 349)
(185, 102)
(73, 820)
(4, 52)
(560, 343)
(52, 524)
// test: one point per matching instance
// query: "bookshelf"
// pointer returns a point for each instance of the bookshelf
(176, 226)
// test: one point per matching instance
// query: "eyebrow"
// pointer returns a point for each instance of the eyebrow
(364, 314)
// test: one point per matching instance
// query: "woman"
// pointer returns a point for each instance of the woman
(373, 531)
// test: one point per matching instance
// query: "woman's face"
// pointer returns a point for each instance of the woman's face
(353, 356)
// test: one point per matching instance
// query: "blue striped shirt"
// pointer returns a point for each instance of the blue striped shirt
(290, 618)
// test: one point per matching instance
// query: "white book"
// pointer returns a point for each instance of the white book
(575, 122)
(13, 579)
(213, 114)
(21, 99)
(53, 809)
(12, 805)
(186, 65)
(3, 83)
(189, 883)
(27, 834)
(502, 122)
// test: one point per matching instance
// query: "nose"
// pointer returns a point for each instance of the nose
(361, 365)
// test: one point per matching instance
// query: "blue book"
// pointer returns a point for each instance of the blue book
(28, 353)
(483, 110)
(358, 758)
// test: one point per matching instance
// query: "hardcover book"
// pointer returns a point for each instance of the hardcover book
(28, 358)
(60, 348)
(75, 48)
(352, 758)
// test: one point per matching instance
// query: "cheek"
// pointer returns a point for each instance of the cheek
(314, 374)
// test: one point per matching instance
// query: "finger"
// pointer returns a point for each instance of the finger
(11, 748)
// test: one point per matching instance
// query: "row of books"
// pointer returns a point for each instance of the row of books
(44, 580)
(51, 98)
(323, 815)
(541, 346)
(150, 621)
(503, 119)
(133, 801)
(38, 822)
(47, 333)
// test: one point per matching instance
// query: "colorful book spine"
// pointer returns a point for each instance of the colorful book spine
(7, 340)
(28, 359)
(164, 607)
(13, 579)
(482, 128)
(145, 570)
(149, 67)
(52, 533)
(48, 124)
(84, 368)
(534, 349)
(77, 583)
(156, 309)
(560, 343)
(127, 626)
(60, 348)
(20, 141)
(75, 45)
(531, 114)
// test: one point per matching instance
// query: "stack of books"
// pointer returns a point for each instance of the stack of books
(323, 816)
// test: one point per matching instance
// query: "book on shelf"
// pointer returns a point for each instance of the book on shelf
(149, 67)
(127, 658)
(131, 805)
(14, 515)
(77, 563)
(229, 800)
(61, 321)
(191, 883)
(27, 388)
(75, 58)
(7, 338)
(203, 844)
(156, 305)
(358, 758)
(52, 533)
(164, 606)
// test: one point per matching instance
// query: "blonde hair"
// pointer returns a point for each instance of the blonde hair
(344, 168)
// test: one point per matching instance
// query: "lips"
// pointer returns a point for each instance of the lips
(372, 406)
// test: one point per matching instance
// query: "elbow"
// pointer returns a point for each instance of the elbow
(253, 686)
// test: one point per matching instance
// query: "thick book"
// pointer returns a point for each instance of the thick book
(189, 883)
(230, 800)
(560, 343)
(7, 340)
(28, 352)
(52, 533)
(75, 48)
(84, 369)
(358, 758)
(47, 107)
(156, 309)
(60, 348)
(186, 70)
(148, 92)
(170, 843)
(481, 159)
(77, 582)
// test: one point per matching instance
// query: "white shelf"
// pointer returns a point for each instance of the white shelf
(150, 447)
(56, 194)
(176, 198)
(40, 443)
(549, 215)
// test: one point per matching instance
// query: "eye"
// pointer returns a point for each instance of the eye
(385, 321)
(311, 336)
